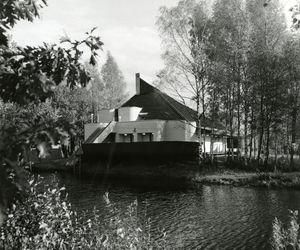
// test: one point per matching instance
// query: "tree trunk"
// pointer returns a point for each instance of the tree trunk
(261, 134)
(267, 153)
(246, 132)
(260, 142)
(198, 131)
(293, 136)
(238, 120)
(203, 118)
(251, 134)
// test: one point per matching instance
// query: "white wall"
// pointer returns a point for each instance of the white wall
(175, 131)
(190, 131)
(160, 129)
(180, 131)
(127, 114)
(150, 126)
(218, 144)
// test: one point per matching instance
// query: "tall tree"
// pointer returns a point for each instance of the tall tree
(114, 83)
(184, 30)
(230, 45)
(292, 78)
(265, 59)
(96, 89)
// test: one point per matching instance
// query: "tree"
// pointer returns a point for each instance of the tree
(114, 83)
(185, 30)
(267, 68)
(292, 78)
(238, 65)
(75, 106)
(29, 76)
(96, 89)
(230, 45)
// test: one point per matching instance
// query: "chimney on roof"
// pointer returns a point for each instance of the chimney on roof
(137, 83)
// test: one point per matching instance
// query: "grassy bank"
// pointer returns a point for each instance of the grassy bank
(250, 179)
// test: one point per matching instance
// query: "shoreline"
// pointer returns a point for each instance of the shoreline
(181, 172)
(280, 180)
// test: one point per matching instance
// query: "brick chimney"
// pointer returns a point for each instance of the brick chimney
(137, 83)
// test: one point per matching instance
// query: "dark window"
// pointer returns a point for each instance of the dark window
(126, 137)
(145, 137)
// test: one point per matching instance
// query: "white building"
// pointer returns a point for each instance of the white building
(151, 116)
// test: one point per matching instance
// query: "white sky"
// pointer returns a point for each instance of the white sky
(127, 28)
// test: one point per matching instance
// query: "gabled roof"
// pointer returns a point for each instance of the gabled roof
(157, 105)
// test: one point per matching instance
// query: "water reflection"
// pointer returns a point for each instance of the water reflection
(210, 217)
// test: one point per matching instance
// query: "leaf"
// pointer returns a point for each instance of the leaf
(92, 60)
(93, 29)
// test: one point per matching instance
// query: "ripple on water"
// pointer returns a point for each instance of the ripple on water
(211, 217)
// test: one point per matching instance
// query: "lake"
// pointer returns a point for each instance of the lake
(207, 217)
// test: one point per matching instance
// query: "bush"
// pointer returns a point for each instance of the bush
(46, 220)
(286, 238)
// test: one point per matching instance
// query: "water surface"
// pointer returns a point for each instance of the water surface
(208, 217)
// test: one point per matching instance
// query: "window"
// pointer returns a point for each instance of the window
(145, 137)
(126, 137)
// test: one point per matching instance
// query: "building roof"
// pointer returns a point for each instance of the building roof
(157, 105)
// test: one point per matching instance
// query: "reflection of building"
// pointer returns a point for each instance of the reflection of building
(153, 117)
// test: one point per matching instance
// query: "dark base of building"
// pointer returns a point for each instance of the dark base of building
(155, 151)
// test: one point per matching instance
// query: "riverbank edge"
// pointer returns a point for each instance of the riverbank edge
(281, 180)
(185, 173)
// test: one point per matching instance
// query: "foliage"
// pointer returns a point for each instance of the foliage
(184, 30)
(114, 83)
(28, 78)
(238, 62)
(96, 88)
(45, 220)
(75, 106)
(15, 10)
(31, 74)
(28, 125)
(286, 238)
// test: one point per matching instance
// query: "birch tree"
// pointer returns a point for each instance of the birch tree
(184, 30)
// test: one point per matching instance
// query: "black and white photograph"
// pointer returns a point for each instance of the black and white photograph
(149, 124)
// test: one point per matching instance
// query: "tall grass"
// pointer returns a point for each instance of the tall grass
(286, 238)
(45, 220)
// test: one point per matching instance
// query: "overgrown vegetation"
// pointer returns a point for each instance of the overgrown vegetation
(45, 219)
(286, 238)
(43, 99)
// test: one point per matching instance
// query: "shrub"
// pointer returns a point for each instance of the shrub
(45, 220)
(286, 238)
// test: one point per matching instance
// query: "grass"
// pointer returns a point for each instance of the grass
(258, 179)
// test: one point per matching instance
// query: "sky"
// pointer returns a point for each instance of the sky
(127, 28)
